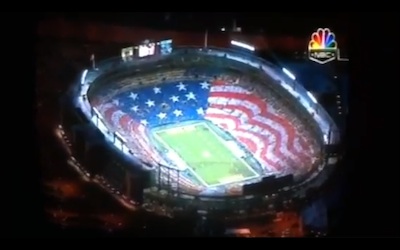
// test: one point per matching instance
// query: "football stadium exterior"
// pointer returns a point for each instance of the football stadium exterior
(199, 129)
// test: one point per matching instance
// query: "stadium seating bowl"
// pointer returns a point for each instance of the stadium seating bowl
(218, 131)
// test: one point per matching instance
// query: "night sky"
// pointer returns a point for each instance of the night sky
(285, 23)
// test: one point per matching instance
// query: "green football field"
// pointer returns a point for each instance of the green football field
(205, 153)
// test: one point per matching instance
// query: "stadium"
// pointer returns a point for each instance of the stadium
(198, 129)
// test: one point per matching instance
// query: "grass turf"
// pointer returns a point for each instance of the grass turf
(205, 153)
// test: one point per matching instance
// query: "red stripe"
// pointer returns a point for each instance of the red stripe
(251, 145)
(288, 128)
(240, 96)
(225, 116)
(124, 122)
(247, 111)
(108, 113)
(291, 132)
(264, 152)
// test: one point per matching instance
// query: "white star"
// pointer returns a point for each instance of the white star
(144, 122)
(181, 86)
(115, 102)
(133, 96)
(177, 112)
(200, 111)
(174, 98)
(135, 108)
(191, 96)
(157, 90)
(205, 85)
(161, 115)
(150, 103)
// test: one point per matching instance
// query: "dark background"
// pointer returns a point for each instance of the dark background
(272, 23)
(371, 198)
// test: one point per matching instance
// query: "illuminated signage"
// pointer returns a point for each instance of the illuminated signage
(322, 47)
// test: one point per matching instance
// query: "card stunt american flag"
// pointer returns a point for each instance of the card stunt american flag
(273, 140)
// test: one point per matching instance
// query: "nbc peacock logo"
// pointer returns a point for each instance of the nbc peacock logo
(322, 47)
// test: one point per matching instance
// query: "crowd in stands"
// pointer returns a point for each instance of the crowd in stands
(276, 136)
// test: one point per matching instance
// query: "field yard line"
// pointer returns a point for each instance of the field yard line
(187, 165)
(240, 159)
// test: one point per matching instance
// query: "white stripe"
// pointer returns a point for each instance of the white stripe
(215, 111)
(309, 151)
(277, 126)
(255, 109)
(271, 139)
(239, 114)
(116, 116)
(256, 140)
(260, 145)
(283, 135)
(229, 88)
(230, 123)
(256, 129)
(216, 116)
(235, 102)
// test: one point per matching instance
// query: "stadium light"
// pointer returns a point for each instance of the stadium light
(127, 53)
(93, 60)
(206, 38)
(312, 97)
(83, 77)
(289, 74)
(97, 113)
(120, 137)
(243, 45)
